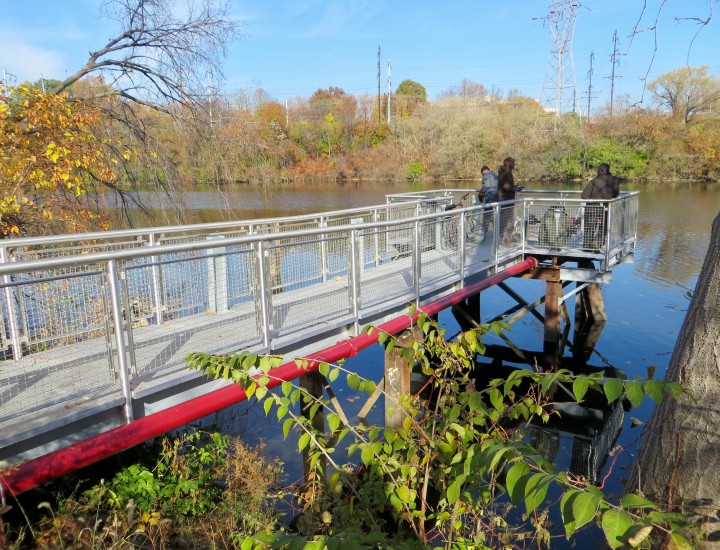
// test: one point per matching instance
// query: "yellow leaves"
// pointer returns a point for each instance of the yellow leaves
(126, 155)
(49, 150)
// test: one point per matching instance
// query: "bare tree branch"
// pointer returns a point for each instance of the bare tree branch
(160, 58)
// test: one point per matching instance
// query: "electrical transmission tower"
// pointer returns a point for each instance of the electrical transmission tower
(560, 89)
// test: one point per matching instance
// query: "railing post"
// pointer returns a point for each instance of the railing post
(354, 281)
(324, 259)
(359, 244)
(217, 277)
(461, 248)
(265, 293)
(376, 239)
(113, 279)
(608, 233)
(12, 319)
(496, 233)
(524, 223)
(157, 288)
(417, 260)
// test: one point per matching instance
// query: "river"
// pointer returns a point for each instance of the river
(645, 303)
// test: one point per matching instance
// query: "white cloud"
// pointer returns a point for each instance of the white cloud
(28, 62)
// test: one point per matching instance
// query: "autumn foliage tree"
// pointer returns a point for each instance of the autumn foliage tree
(49, 158)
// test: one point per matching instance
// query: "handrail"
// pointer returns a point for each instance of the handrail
(16, 267)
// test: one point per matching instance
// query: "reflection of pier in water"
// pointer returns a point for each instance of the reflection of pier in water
(581, 439)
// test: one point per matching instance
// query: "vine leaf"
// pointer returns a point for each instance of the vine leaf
(515, 481)
(613, 388)
(634, 392)
(655, 389)
(584, 508)
(631, 500)
(580, 387)
(616, 524)
(535, 490)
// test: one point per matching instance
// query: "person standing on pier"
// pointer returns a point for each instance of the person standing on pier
(603, 186)
(488, 193)
(506, 192)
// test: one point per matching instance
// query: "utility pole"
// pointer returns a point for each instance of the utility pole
(613, 61)
(287, 114)
(389, 93)
(379, 103)
(590, 75)
(560, 72)
(7, 77)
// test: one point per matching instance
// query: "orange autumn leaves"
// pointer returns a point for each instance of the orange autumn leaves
(49, 158)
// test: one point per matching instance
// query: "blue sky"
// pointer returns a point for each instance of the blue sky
(292, 48)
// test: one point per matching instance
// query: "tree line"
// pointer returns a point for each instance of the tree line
(138, 115)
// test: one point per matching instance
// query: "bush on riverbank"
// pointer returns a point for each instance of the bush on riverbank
(196, 490)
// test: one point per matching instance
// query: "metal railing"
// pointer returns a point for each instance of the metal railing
(92, 312)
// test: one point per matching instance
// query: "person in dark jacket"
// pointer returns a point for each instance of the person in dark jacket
(506, 192)
(604, 186)
(488, 194)
(506, 180)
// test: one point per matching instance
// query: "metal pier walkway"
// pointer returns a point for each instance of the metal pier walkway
(95, 327)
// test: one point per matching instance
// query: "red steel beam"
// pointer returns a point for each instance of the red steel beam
(42, 469)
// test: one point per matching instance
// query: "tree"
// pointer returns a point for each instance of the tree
(409, 95)
(678, 462)
(467, 88)
(50, 157)
(159, 58)
(687, 92)
(160, 62)
(412, 89)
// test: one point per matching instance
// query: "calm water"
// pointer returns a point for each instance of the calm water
(645, 303)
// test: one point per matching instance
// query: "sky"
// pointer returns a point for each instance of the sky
(290, 48)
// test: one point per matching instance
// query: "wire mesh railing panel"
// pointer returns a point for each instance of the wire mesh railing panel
(594, 226)
(553, 224)
(214, 309)
(184, 284)
(65, 341)
(241, 230)
(242, 280)
(72, 248)
(399, 241)
(440, 253)
(60, 308)
(511, 228)
(305, 295)
(295, 265)
(139, 307)
(396, 276)
(624, 216)
(350, 218)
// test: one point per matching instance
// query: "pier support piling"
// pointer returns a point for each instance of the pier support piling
(397, 378)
